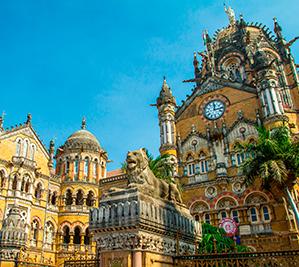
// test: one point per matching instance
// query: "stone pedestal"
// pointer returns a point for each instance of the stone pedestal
(135, 229)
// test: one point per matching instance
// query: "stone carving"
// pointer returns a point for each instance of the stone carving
(238, 187)
(255, 199)
(211, 192)
(143, 241)
(226, 203)
(198, 207)
(141, 176)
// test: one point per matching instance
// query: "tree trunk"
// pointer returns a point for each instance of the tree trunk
(293, 205)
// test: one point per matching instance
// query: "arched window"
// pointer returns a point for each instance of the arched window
(67, 167)
(79, 197)
(86, 166)
(32, 151)
(94, 168)
(2, 179)
(196, 217)
(203, 163)
(90, 199)
(77, 235)
(76, 167)
(190, 166)
(34, 232)
(27, 186)
(23, 184)
(54, 198)
(14, 183)
(207, 218)
(68, 197)
(25, 148)
(234, 69)
(49, 234)
(253, 215)
(266, 214)
(235, 216)
(87, 237)
(18, 149)
(66, 235)
(223, 214)
(38, 190)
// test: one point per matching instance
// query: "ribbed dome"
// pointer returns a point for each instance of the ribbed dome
(82, 139)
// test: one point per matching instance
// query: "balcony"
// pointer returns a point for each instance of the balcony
(198, 178)
(262, 228)
(24, 162)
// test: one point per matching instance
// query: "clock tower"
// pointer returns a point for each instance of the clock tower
(243, 79)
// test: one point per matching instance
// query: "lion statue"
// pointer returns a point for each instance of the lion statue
(142, 177)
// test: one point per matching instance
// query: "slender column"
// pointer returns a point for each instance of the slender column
(269, 100)
(137, 259)
(164, 132)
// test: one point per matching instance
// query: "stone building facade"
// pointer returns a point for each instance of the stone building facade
(246, 78)
(53, 204)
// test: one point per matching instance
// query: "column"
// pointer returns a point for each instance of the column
(164, 132)
(137, 259)
(71, 244)
(269, 101)
(82, 246)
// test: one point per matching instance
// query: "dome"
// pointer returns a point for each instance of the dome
(82, 139)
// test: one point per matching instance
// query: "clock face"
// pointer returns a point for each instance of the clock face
(214, 110)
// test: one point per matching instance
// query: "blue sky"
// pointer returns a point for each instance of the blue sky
(62, 60)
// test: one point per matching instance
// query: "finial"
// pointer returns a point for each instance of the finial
(164, 85)
(231, 14)
(277, 28)
(83, 124)
(29, 118)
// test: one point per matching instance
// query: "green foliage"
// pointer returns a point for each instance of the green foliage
(214, 240)
(275, 158)
(160, 166)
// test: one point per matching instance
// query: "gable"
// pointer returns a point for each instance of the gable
(25, 135)
(213, 85)
(236, 102)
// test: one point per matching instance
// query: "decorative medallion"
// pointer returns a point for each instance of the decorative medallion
(211, 192)
(229, 226)
(238, 187)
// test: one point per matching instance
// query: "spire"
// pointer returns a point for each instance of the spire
(29, 118)
(206, 37)
(51, 152)
(165, 94)
(277, 29)
(83, 124)
(230, 14)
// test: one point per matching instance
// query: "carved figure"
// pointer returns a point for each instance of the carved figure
(141, 176)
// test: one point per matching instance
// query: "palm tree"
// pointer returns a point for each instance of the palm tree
(275, 160)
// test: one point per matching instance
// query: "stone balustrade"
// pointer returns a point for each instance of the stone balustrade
(133, 210)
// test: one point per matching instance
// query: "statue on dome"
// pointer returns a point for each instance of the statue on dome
(231, 14)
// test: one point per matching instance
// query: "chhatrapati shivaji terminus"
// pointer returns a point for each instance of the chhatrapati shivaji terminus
(223, 190)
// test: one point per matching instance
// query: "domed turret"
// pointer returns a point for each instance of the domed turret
(82, 140)
(81, 158)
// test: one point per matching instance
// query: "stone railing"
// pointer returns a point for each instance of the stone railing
(261, 228)
(24, 161)
(256, 259)
(107, 180)
(131, 211)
